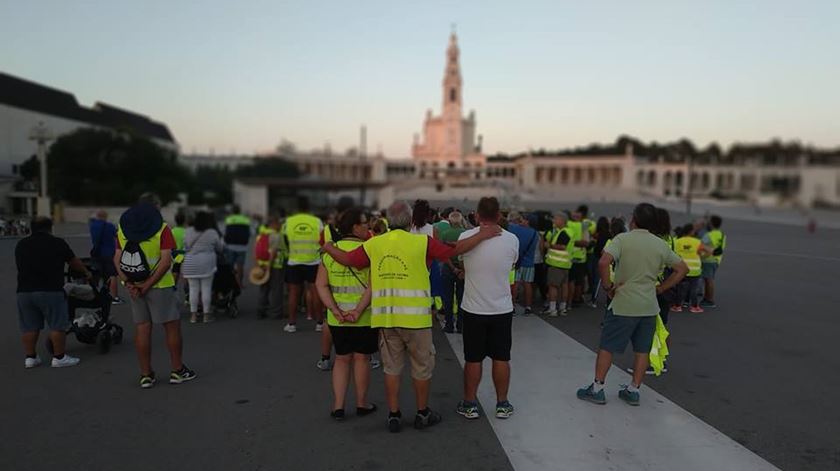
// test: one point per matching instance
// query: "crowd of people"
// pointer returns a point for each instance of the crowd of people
(375, 281)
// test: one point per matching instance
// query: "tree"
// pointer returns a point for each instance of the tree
(213, 186)
(30, 169)
(99, 167)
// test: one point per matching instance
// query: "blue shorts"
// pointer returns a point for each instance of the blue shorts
(525, 274)
(34, 308)
(709, 270)
(235, 258)
(619, 330)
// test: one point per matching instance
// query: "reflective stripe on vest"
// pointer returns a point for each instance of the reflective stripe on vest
(686, 248)
(151, 249)
(559, 258)
(399, 280)
(346, 285)
(303, 233)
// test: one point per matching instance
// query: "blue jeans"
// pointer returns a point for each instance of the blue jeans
(689, 289)
(452, 288)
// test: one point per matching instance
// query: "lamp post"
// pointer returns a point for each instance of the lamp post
(42, 135)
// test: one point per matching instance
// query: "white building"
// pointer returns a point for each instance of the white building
(25, 104)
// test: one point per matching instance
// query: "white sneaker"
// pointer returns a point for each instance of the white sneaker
(564, 311)
(551, 313)
(290, 328)
(65, 362)
(319, 327)
(32, 362)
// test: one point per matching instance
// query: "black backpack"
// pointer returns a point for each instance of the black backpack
(133, 263)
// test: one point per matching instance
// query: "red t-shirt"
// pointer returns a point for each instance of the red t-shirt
(167, 240)
(435, 250)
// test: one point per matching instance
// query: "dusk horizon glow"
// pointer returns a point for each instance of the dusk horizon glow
(239, 78)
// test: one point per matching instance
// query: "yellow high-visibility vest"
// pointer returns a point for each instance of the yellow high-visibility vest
(578, 253)
(559, 258)
(303, 232)
(399, 280)
(686, 248)
(179, 233)
(151, 249)
(347, 285)
(718, 241)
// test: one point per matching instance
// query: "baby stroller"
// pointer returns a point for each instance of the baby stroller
(89, 306)
(226, 289)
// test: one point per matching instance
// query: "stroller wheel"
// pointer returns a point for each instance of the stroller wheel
(117, 335)
(103, 341)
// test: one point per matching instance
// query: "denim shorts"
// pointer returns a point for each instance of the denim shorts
(619, 330)
(34, 308)
(709, 270)
(525, 274)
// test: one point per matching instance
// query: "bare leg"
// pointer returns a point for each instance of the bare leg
(361, 378)
(552, 293)
(112, 286)
(326, 341)
(602, 365)
(564, 297)
(340, 380)
(421, 392)
(501, 379)
(174, 343)
(313, 303)
(472, 377)
(710, 290)
(529, 294)
(58, 338)
(143, 345)
(640, 364)
(30, 340)
(294, 300)
(392, 392)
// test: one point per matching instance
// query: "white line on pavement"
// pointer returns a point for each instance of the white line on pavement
(552, 429)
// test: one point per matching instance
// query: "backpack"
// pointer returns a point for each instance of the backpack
(261, 248)
(133, 262)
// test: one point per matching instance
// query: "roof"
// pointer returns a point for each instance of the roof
(23, 94)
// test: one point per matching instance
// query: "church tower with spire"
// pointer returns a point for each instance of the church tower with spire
(448, 144)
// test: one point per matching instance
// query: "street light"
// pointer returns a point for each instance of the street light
(41, 134)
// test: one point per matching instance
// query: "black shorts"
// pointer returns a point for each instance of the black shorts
(349, 340)
(487, 336)
(578, 273)
(300, 274)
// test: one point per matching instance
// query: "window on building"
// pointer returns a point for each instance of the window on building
(453, 95)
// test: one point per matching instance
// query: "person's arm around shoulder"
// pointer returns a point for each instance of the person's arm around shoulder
(485, 231)
(357, 258)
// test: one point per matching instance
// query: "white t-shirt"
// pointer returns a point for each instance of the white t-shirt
(487, 274)
(428, 230)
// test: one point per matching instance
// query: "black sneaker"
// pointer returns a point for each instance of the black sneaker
(422, 421)
(362, 411)
(337, 414)
(448, 329)
(147, 381)
(181, 376)
(395, 423)
(527, 311)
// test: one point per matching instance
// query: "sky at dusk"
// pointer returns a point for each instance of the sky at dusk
(241, 76)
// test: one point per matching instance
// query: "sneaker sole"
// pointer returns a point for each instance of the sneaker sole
(469, 416)
(503, 415)
(181, 381)
(65, 365)
(593, 400)
(630, 403)
(147, 386)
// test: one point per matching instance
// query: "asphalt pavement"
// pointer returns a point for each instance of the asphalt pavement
(761, 368)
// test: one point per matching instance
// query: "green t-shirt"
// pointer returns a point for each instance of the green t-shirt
(447, 233)
(639, 258)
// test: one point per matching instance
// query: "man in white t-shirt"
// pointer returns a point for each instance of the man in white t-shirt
(488, 312)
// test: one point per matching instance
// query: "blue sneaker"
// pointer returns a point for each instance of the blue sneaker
(628, 396)
(589, 394)
(708, 304)
(468, 409)
(504, 410)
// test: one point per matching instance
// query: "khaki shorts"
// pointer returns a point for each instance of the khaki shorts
(396, 341)
(557, 276)
(158, 306)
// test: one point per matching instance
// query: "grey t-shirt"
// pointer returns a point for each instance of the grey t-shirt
(639, 258)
